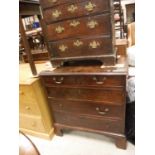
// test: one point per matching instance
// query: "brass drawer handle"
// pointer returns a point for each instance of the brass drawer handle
(53, 1)
(94, 44)
(90, 6)
(74, 23)
(92, 24)
(58, 82)
(56, 13)
(72, 8)
(102, 112)
(78, 43)
(59, 29)
(63, 48)
(99, 82)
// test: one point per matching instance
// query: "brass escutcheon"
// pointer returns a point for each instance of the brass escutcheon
(59, 29)
(94, 44)
(74, 23)
(72, 8)
(56, 13)
(78, 43)
(90, 6)
(92, 24)
(63, 48)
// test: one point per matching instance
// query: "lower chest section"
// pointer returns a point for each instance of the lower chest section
(84, 103)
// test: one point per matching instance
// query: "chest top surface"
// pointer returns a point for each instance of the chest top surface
(121, 68)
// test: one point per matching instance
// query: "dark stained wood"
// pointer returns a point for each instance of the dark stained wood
(85, 80)
(58, 131)
(27, 47)
(107, 60)
(89, 22)
(74, 51)
(110, 125)
(51, 3)
(103, 27)
(121, 142)
(101, 7)
(83, 105)
(88, 108)
(121, 68)
(28, 8)
(111, 96)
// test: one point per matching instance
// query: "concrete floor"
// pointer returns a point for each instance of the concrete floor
(80, 143)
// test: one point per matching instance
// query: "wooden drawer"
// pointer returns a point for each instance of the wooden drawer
(88, 108)
(27, 108)
(94, 25)
(31, 122)
(93, 123)
(72, 10)
(110, 96)
(26, 94)
(84, 80)
(52, 3)
(93, 46)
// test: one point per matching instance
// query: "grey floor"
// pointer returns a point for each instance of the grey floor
(80, 143)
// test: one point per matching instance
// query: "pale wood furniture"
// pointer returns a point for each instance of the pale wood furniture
(34, 114)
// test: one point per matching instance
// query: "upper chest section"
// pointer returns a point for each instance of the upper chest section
(57, 10)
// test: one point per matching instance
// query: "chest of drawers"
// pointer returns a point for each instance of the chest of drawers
(34, 114)
(88, 98)
(79, 30)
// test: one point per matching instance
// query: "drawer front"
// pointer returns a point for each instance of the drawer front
(26, 94)
(52, 3)
(110, 96)
(31, 122)
(75, 47)
(84, 80)
(27, 108)
(73, 10)
(108, 125)
(88, 108)
(94, 25)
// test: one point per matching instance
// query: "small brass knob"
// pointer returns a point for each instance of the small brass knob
(106, 109)
(27, 108)
(21, 93)
(97, 108)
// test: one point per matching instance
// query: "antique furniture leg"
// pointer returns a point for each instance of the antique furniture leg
(58, 131)
(121, 142)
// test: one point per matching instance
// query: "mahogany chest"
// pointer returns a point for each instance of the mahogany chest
(88, 98)
(79, 30)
